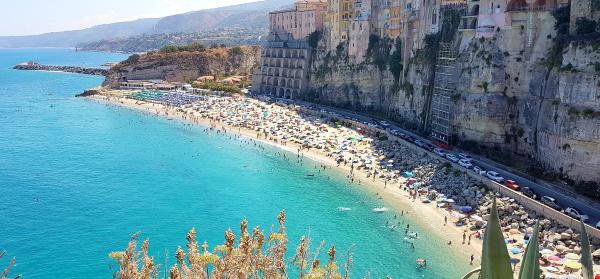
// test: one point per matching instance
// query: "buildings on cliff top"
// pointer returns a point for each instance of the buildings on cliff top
(354, 22)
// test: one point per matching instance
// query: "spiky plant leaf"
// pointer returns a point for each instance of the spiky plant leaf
(471, 273)
(530, 266)
(586, 254)
(495, 261)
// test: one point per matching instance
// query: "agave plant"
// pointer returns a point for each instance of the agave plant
(495, 261)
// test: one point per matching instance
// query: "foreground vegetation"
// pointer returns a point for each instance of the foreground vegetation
(6, 271)
(256, 256)
(260, 256)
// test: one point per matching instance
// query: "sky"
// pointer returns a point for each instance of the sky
(31, 17)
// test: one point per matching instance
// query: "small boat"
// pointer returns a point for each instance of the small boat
(310, 175)
(380, 209)
(341, 208)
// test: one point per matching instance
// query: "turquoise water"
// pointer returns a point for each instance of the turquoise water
(78, 177)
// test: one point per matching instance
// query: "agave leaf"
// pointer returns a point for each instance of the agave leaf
(586, 254)
(530, 266)
(495, 261)
(471, 273)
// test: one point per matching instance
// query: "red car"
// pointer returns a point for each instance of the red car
(512, 184)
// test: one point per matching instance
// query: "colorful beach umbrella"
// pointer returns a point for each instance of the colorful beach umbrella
(572, 256)
(573, 265)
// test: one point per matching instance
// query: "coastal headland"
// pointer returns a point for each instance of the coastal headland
(446, 200)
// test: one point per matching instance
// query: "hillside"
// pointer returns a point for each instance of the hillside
(185, 66)
(148, 42)
(250, 16)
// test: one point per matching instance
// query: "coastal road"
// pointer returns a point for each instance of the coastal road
(564, 197)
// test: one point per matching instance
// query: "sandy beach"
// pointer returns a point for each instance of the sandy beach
(429, 216)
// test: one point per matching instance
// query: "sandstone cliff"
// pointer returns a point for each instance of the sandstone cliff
(186, 66)
(514, 98)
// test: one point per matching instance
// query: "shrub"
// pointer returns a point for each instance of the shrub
(562, 17)
(237, 50)
(256, 256)
(396, 60)
(216, 86)
(314, 38)
(132, 59)
(585, 26)
(190, 47)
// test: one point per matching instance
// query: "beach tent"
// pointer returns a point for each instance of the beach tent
(407, 174)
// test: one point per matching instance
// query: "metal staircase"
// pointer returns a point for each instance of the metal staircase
(443, 90)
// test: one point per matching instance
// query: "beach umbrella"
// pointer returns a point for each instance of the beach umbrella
(554, 258)
(552, 269)
(573, 265)
(516, 250)
(477, 218)
(513, 231)
(546, 252)
(572, 256)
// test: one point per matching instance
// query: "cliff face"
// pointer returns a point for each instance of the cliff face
(512, 96)
(185, 65)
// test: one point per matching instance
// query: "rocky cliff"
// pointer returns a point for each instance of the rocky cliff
(185, 66)
(516, 96)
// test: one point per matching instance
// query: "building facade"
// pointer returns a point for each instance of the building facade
(284, 65)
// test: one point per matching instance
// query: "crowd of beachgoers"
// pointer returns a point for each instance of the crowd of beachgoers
(374, 157)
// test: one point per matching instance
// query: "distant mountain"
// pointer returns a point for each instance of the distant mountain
(250, 15)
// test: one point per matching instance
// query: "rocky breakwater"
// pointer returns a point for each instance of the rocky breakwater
(442, 178)
(33, 66)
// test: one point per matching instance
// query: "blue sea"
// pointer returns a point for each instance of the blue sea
(78, 178)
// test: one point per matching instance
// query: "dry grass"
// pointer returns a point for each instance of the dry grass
(6, 271)
(255, 256)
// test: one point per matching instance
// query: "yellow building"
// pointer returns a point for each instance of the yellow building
(311, 5)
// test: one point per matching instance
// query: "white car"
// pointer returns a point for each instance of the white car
(464, 156)
(451, 157)
(495, 176)
(419, 143)
(577, 214)
(598, 225)
(440, 152)
(479, 170)
(465, 163)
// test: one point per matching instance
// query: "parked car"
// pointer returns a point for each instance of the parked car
(479, 170)
(529, 193)
(495, 176)
(419, 143)
(452, 158)
(463, 156)
(384, 124)
(440, 152)
(598, 225)
(395, 132)
(512, 185)
(577, 214)
(465, 163)
(429, 147)
(551, 202)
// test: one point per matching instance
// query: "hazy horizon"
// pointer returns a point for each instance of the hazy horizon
(20, 19)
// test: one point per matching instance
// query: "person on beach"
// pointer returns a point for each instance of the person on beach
(472, 258)
(445, 220)
(464, 237)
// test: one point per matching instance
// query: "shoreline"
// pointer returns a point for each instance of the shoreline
(426, 215)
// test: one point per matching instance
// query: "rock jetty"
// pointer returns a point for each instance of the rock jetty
(34, 66)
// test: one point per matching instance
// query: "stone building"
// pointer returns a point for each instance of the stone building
(284, 61)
